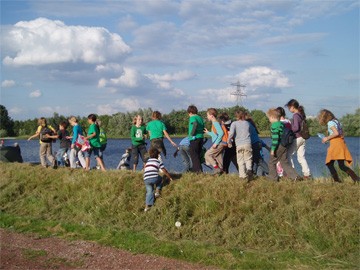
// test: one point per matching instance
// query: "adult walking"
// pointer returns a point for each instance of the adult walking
(299, 145)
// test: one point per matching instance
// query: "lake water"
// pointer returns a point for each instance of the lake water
(315, 153)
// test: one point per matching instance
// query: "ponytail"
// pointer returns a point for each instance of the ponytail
(302, 111)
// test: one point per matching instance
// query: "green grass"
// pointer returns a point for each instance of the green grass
(225, 222)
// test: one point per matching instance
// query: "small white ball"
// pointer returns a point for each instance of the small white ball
(178, 224)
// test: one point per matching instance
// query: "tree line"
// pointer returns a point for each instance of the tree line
(118, 125)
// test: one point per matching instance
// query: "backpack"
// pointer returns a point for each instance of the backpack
(225, 137)
(46, 131)
(287, 137)
(304, 131)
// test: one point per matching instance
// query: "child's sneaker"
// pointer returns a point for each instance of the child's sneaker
(147, 209)
(157, 193)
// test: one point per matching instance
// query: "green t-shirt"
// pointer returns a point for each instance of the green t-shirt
(156, 129)
(199, 131)
(94, 141)
(137, 135)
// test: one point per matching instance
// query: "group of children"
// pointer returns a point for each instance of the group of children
(231, 141)
(75, 149)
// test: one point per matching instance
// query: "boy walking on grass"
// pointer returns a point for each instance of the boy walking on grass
(277, 151)
(152, 177)
(213, 155)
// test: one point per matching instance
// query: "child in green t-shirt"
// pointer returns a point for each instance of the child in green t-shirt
(93, 137)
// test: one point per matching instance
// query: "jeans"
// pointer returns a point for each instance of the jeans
(79, 154)
(60, 156)
(149, 185)
(185, 154)
(299, 147)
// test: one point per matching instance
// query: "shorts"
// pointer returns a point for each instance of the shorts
(97, 152)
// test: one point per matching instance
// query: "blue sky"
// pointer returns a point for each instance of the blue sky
(79, 57)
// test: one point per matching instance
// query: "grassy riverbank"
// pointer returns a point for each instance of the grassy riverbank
(225, 222)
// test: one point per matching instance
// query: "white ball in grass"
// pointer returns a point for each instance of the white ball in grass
(178, 224)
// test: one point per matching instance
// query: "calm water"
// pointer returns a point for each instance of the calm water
(315, 153)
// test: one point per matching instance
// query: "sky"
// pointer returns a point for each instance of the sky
(79, 57)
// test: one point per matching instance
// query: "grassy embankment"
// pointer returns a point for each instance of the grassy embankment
(225, 222)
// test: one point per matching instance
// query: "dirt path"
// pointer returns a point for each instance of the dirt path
(20, 251)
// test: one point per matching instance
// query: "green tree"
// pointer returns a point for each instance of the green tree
(6, 123)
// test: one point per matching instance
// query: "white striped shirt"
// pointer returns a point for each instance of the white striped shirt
(152, 167)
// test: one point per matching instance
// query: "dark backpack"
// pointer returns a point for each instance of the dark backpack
(304, 131)
(46, 131)
(287, 137)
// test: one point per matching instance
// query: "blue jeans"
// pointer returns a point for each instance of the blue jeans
(59, 156)
(149, 185)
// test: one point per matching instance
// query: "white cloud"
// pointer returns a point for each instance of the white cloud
(43, 41)
(129, 78)
(164, 81)
(128, 104)
(106, 109)
(15, 110)
(35, 94)
(261, 76)
(108, 67)
(7, 83)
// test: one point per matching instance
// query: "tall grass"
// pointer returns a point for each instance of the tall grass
(225, 222)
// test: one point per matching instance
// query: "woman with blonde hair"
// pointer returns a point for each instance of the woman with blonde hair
(337, 150)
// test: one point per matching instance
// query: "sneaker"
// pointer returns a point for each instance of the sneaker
(298, 179)
(157, 194)
(147, 209)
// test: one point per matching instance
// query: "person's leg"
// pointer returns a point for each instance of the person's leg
(218, 155)
(149, 197)
(273, 160)
(349, 171)
(142, 151)
(333, 171)
(248, 161)
(291, 152)
(282, 157)
(241, 162)
(301, 142)
(97, 154)
(135, 156)
(87, 159)
(42, 154)
(227, 159)
(195, 154)
(60, 156)
(81, 158)
(49, 155)
(256, 156)
(72, 158)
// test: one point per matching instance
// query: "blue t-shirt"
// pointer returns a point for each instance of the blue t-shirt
(334, 123)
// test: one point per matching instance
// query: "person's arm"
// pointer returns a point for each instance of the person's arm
(231, 134)
(132, 133)
(194, 127)
(275, 140)
(37, 134)
(219, 133)
(334, 135)
(167, 174)
(168, 137)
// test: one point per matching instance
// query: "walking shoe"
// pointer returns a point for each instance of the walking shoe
(147, 209)
(157, 194)
(298, 179)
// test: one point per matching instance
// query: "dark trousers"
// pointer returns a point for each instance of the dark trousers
(280, 155)
(229, 156)
(195, 152)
